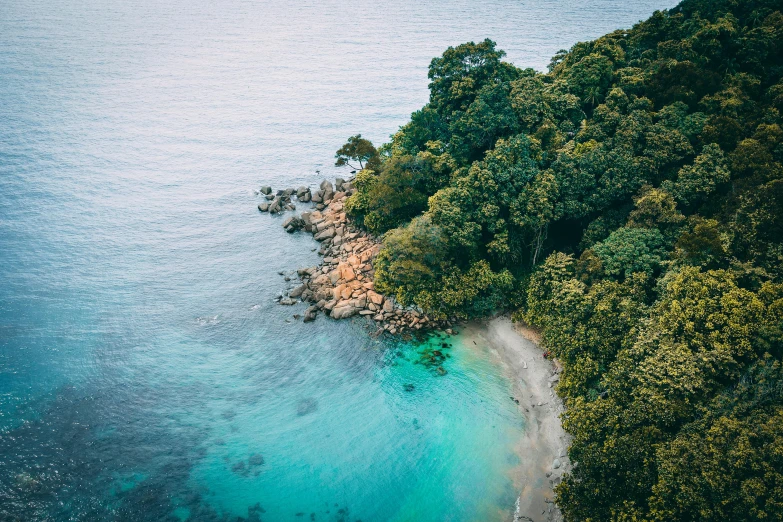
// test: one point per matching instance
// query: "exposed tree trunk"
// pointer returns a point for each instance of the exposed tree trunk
(538, 241)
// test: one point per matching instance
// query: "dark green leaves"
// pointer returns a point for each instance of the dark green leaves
(359, 151)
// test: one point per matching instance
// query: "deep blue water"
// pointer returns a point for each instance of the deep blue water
(145, 371)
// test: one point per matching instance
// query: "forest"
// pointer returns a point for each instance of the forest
(628, 202)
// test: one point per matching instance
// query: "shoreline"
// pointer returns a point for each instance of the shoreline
(342, 286)
(545, 443)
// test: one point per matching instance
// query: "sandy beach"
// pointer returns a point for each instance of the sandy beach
(543, 448)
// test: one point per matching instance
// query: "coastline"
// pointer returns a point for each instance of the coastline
(342, 286)
(545, 443)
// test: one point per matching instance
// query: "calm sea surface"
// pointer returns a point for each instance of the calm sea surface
(145, 371)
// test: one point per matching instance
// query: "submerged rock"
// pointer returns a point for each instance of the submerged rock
(239, 468)
(306, 406)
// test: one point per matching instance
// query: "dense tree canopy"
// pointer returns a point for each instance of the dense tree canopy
(629, 202)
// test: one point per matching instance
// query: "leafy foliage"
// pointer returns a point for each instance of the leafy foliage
(629, 202)
(360, 151)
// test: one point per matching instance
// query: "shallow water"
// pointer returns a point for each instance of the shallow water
(145, 371)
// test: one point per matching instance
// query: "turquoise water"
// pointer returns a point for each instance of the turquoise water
(145, 371)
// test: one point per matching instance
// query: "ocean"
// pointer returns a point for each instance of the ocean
(146, 372)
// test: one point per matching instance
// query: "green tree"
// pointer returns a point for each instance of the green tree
(697, 181)
(357, 150)
(629, 250)
(462, 72)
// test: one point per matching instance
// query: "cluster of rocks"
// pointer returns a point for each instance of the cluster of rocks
(280, 201)
(342, 285)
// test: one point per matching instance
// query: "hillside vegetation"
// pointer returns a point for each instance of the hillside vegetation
(629, 202)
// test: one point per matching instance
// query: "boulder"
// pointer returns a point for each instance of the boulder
(305, 198)
(298, 291)
(317, 196)
(292, 224)
(301, 191)
(334, 276)
(265, 190)
(308, 223)
(343, 310)
(287, 301)
(346, 272)
(326, 185)
(323, 293)
(263, 207)
(375, 297)
(325, 234)
(310, 314)
(322, 280)
(338, 183)
(341, 292)
(275, 207)
(360, 302)
(270, 197)
(324, 224)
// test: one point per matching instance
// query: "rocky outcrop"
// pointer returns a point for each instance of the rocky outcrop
(281, 201)
(342, 285)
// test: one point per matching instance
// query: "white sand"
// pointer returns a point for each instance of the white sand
(544, 439)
